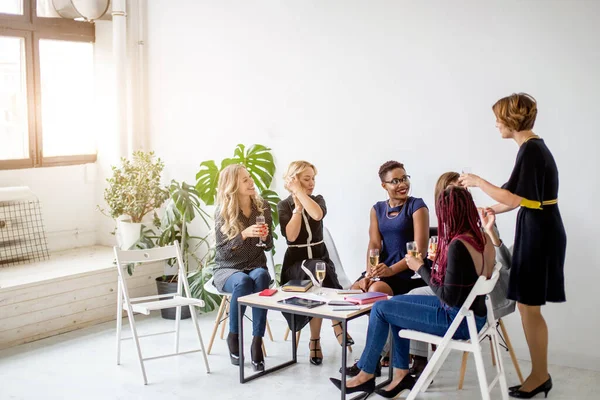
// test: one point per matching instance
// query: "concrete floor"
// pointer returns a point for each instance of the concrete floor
(81, 365)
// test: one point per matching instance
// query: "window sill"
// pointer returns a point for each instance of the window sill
(48, 162)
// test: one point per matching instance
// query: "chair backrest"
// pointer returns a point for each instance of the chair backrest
(335, 258)
(433, 231)
(483, 286)
(271, 266)
(141, 257)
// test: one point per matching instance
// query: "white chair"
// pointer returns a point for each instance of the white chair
(145, 305)
(446, 343)
(223, 312)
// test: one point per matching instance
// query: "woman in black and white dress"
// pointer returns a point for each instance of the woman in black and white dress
(301, 219)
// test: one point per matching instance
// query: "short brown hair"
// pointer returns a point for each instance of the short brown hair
(517, 111)
(387, 167)
(442, 183)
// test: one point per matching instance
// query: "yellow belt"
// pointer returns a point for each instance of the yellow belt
(536, 205)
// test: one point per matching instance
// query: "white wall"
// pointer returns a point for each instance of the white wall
(351, 84)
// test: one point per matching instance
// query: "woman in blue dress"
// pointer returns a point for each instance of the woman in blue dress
(394, 222)
(540, 244)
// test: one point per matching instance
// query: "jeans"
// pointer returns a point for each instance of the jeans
(242, 284)
(421, 313)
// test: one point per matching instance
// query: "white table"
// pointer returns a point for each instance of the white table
(324, 311)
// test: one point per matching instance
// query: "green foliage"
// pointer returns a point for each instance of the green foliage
(134, 189)
(258, 160)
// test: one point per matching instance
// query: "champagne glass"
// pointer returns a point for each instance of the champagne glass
(467, 170)
(433, 245)
(411, 250)
(373, 262)
(321, 270)
(260, 220)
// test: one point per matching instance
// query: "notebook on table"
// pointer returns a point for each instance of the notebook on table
(366, 298)
(296, 285)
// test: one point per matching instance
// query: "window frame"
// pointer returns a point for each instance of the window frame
(33, 28)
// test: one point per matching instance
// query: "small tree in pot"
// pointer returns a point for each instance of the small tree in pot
(133, 191)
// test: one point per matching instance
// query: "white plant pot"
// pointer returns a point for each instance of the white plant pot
(128, 233)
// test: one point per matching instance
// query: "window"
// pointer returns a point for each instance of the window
(46, 87)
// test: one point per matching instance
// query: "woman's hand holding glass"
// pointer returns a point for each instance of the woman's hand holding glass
(256, 231)
(381, 271)
(414, 263)
(469, 180)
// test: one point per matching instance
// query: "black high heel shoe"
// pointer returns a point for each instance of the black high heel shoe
(349, 340)
(408, 382)
(543, 388)
(368, 387)
(234, 348)
(256, 353)
(314, 360)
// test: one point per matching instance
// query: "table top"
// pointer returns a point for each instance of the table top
(323, 311)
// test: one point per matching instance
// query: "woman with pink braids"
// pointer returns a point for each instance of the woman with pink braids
(465, 252)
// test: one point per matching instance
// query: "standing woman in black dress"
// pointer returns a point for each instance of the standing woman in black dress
(540, 239)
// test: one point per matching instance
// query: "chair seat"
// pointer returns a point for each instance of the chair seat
(148, 306)
(420, 336)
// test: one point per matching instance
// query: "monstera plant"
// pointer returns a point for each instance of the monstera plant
(257, 159)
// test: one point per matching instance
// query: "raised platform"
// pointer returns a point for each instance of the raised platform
(74, 289)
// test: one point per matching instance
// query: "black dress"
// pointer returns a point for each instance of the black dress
(307, 249)
(538, 260)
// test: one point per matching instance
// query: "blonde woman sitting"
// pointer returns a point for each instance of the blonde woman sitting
(241, 264)
(301, 218)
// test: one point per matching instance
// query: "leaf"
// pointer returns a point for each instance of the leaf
(258, 160)
(273, 199)
(186, 199)
(207, 179)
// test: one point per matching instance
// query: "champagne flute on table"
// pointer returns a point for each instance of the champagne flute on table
(411, 250)
(373, 262)
(260, 220)
(321, 271)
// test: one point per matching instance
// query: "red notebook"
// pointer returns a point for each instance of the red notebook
(366, 298)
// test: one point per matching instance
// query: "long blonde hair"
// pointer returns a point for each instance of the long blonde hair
(228, 202)
(295, 169)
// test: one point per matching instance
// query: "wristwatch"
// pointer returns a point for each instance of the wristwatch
(296, 210)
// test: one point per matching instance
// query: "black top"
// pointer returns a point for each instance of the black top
(305, 236)
(535, 175)
(460, 278)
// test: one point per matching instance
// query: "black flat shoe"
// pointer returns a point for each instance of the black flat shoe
(354, 370)
(543, 388)
(406, 383)
(368, 387)
(314, 360)
(234, 348)
(349, 340)
(256, 354)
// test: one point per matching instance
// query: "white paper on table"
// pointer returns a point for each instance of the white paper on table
(311, 296)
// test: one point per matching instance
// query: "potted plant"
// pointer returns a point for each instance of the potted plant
(134, 190)
(182, 208)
